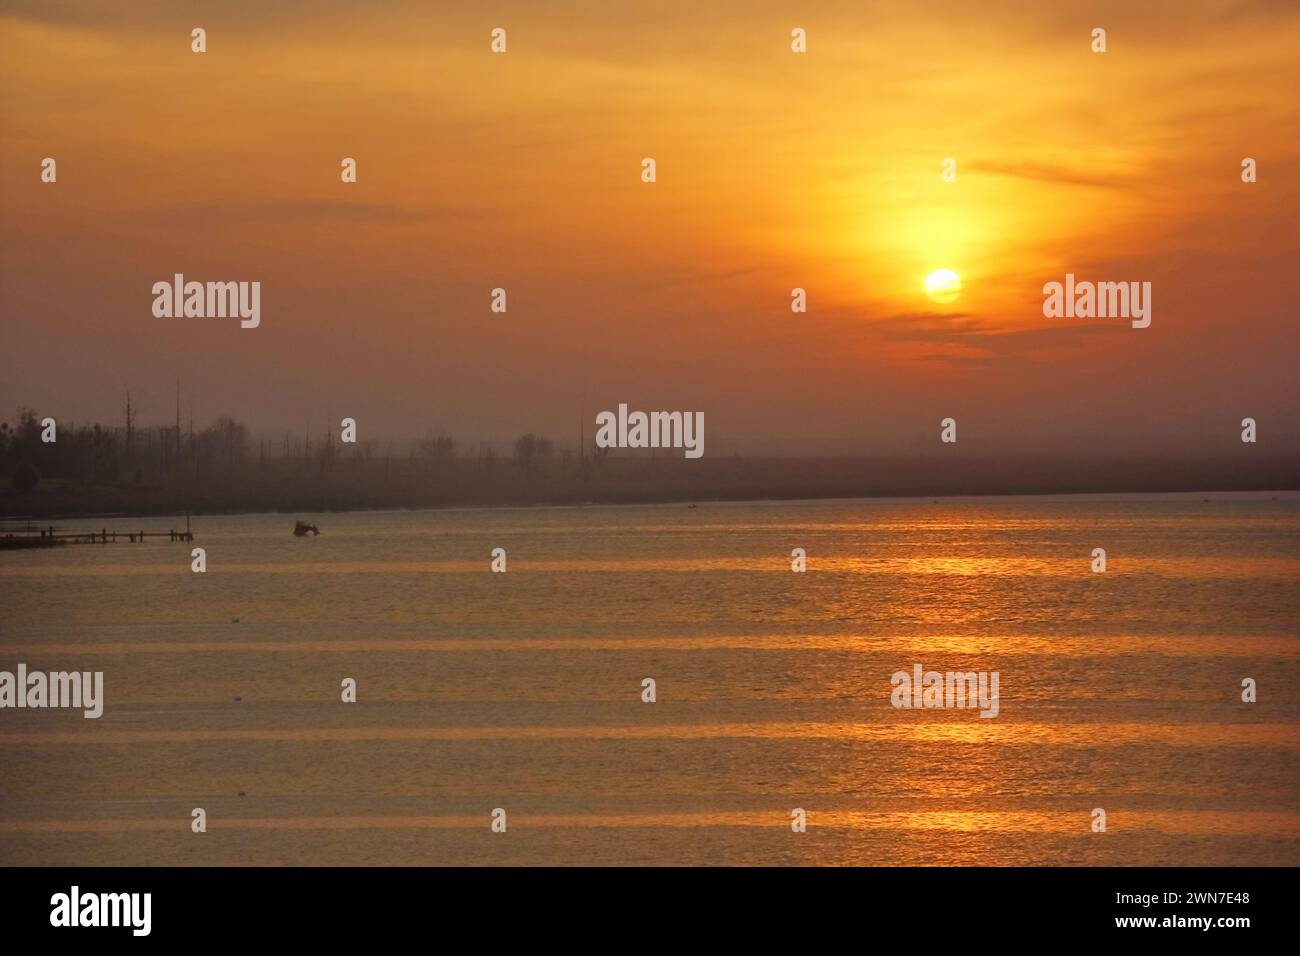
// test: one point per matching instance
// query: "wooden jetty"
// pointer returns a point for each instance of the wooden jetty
(49, 537)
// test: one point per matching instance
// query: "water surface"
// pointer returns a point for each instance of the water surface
(523, 690)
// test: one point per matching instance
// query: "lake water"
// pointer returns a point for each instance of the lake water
(522, 690)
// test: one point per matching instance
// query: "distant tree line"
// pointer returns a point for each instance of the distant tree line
(101, 453)
(128, 453)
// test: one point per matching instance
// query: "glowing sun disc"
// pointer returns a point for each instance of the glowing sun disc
(943, 285)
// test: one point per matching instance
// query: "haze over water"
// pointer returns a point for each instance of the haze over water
(522, 690)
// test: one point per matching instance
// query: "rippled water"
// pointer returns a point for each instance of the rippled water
(523, 690)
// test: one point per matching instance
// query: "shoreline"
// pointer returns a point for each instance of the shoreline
(292, 486)
(9, 522)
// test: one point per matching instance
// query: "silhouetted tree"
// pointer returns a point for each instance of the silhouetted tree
(436, 449)
(25, 477)
(525, 452)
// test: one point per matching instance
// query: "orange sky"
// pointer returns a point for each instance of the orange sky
(775, 170)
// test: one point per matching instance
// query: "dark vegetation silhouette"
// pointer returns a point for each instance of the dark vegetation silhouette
(174, 469)
(25, 478)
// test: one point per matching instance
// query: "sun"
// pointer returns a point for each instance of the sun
(943, 285)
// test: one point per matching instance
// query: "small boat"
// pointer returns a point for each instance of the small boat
(301, 529)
